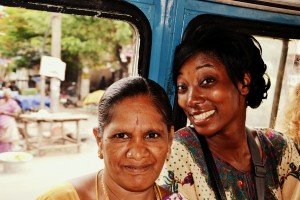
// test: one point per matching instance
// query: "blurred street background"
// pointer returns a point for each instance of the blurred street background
(53, 166)
(56, 65)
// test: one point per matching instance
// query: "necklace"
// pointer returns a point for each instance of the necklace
(155, 187)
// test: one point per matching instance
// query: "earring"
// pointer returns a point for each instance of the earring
(100, 155)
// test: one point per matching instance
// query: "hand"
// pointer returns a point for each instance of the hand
(4, 113)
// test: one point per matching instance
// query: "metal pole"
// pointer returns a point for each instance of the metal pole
(279, 80)
(55, 52)
(43, 85)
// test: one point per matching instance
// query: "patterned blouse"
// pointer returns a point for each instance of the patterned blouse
(186, 171)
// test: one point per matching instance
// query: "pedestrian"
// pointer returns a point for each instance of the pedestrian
(9, 133)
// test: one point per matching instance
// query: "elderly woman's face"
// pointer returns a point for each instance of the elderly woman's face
(135, 144)
(208, 96)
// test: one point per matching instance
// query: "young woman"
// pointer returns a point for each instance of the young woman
(218, 74)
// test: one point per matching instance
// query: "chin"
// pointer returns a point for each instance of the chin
(205, 131)
(137, 186)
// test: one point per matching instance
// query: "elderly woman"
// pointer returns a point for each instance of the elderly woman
(134, 136)
(9, 110)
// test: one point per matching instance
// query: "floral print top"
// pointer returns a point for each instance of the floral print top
(186, 171)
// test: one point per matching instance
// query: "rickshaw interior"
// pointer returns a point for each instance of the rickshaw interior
(159, 25)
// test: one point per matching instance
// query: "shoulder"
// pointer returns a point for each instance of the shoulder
(184, 133)
(276, 144)
(271, 137)
(186, 136)
(186, 142)
(168, 195)
(85, 186)
(60, 192)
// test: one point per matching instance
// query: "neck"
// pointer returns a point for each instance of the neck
(112, 191)
(231, 147)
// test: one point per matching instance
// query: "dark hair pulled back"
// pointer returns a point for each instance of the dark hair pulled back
(131, 87)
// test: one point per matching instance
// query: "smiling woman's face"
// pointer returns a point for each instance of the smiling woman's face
(207, 95)
(135, 144)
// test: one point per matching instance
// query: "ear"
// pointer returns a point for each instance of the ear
(244, 87)
(97, 136)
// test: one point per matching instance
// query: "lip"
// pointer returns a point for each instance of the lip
(199, 118)
(137, 169)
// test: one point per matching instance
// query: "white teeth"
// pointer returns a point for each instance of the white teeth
(203, 115)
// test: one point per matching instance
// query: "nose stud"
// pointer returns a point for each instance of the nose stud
(129, 154)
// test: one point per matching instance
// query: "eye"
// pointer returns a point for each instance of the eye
(207, 81)
(152, 135)
(121, 136)
(181, 88)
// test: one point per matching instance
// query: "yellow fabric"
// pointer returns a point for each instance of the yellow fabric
(63, 191)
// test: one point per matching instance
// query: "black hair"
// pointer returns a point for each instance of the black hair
(131, 87)
(239, 52)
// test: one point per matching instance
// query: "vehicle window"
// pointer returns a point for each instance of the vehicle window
(98, 46)
(97, 51)
(281, 57)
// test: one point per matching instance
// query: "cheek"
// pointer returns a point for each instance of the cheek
(160, 152)
(218, 96)
(182, 100)
(113, 152)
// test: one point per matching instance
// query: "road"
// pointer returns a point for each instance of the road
(53, 167)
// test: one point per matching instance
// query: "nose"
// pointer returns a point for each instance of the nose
(137, 150)
(194, 98)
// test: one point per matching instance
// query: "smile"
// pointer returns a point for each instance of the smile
(137, 169)
(203, 116)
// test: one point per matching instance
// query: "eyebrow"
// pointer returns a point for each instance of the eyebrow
(199, 67)
(204, 65)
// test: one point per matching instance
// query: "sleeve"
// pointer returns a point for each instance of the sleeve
(289, 172)
(60, 192)
(177, 175)
(14, 106)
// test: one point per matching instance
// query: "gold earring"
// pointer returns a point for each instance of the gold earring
(100, 155)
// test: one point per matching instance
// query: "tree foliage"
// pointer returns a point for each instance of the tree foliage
(85, 42)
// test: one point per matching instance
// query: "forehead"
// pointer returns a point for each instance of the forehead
(202, 60)
(139, 111)
(203, 56)
(133, 104)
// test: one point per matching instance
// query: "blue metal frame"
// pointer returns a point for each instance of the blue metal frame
(169, 18)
